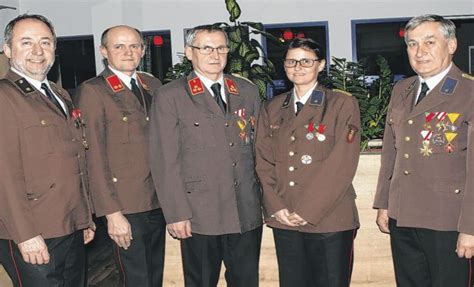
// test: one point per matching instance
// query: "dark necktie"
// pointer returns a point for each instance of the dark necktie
(299, 107)
(136, 90)
(424, 91)
(216, 89)
(52, 98)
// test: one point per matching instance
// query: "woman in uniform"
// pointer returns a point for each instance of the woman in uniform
(307, 150)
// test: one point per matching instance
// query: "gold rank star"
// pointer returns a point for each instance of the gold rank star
(426, 150)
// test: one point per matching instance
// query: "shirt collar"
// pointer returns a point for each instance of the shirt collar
(305, 97)
(33, 82)
(208, 83)
(124, 78)
(435, 80)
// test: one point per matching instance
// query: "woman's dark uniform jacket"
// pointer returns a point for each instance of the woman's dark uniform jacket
(43, 184)
(321, 190)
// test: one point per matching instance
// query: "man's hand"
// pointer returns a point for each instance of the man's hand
(382, 220)
(296, 219)
(465, 245)
(119, 229)
(282, 216)
(34, 250)
(180, 230)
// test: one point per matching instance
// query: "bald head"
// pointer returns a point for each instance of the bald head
(119, 29)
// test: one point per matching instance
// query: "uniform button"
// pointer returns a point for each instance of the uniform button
(226, 125)
(234, 164)
(406, 172)
(73, 140)
(114, 179)
(291, 183)
(236, 183)
(457, 191)
(43, 122)
(407, 139)
(410, 122)
(291, 153)
(291, 168)
(78, 155)
(124, 119)
(81, 173)
(292, 138)
(231, 144)
(406, 155)
(147, 119)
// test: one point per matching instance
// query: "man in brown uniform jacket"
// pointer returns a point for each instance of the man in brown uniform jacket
(44, 204)
(115, 107)
(425, 191)
(202, 163)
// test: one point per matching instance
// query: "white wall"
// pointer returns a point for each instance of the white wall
(72, 18)
(6, 15)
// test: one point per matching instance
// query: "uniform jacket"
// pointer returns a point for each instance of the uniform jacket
(202, 160)
(309, 176)
(42, 164)
(427, 171)
(117, 130)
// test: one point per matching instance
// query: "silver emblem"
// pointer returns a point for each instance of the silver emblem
(306, 159)
(309, 136)
(438, 139)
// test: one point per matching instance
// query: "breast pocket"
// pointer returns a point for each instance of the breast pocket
(394, 120)
(42, 135)
(197, 132)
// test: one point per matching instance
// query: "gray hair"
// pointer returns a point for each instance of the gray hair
(8, 33)
(447, 27)
(191, 35)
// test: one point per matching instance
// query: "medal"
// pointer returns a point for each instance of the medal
(450, 136)
(310, 129)
(320, 134)
(309, 136)
(320, 137)
(426, 150)
(306, 159)
(438, 140)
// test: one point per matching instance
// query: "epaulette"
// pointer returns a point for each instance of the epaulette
(146, 73)
(242, 77)
(467, 76)
(195, 85)
(142, 83)
(115, 83)
(342, 91)
(231, 87)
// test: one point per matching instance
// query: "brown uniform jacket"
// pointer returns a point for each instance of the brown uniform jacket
(42, 165)
(310, 177)
(117, 131)
(202, 160)
(421, 183)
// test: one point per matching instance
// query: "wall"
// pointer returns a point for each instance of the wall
(83, 17)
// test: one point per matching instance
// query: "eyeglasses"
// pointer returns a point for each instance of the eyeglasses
(306, 63)
(207, 50)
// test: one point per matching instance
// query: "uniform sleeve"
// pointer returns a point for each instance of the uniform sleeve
(334, 179)
(466, 217)
(104, 196)
(387, 163)
(265, 165)
(165, 158)
(15, 210)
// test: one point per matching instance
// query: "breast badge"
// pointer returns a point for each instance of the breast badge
(440, 129)
(306, 159)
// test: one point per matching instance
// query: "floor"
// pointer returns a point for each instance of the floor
(372, 262)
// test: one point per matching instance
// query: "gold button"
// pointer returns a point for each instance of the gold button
(147, 119)
(28, 89)
(114, 179)
(291, 168)
(236, 183)
(292, 138)
(231, 144)
(406, 172)
(291, 153)
(226, 125)
(234, 164)
(457, 191)
(410, 122)
(124, 119)
(390, 120)
(43, 122)
(291, 183)
(407, 139)
(406, 155)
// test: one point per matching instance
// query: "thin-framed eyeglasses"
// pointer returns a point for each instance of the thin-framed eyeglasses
(207, 50)
(306, 63)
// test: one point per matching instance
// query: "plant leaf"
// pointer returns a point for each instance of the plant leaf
(233, 9)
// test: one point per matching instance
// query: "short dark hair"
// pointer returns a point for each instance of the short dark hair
(103, 38)
(307, 44)
(8, 33)
(191, 34)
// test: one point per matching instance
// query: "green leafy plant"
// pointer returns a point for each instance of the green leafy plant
(373, 100)
(244, 52)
